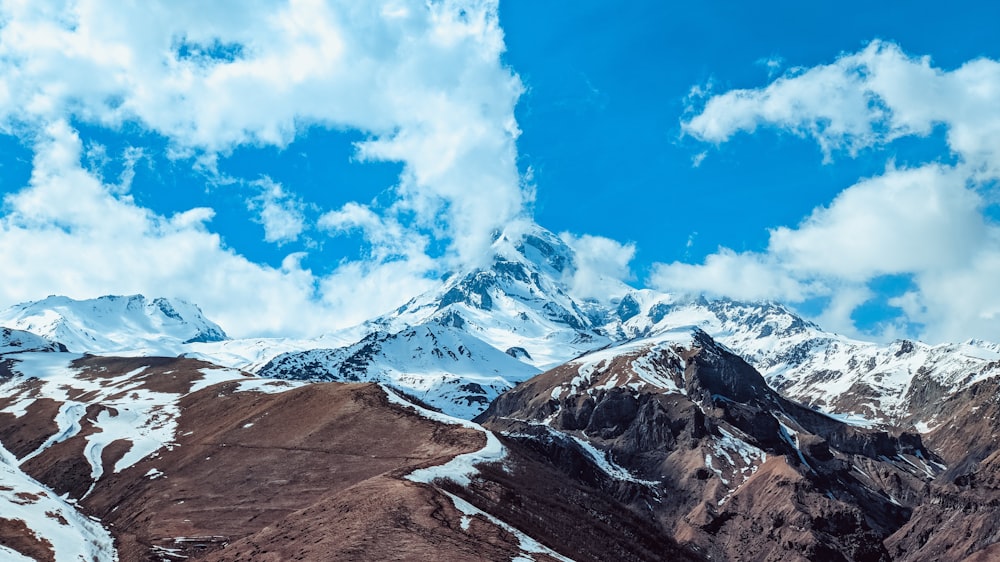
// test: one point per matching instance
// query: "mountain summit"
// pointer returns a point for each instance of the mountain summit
(481, 332)
(521, 303)
(115, 324)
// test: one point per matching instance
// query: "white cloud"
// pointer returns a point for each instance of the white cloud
(866, 99)
(97, 243)
(390, 241)
(927, 222)
(914, 220)
(424, 81)
(960, 303)
(773, 65)
(278, 212)
(745, 276)
(601, 266)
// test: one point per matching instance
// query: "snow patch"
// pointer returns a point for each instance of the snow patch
(462, 468)
(72, 535)
(527, 544)
(268, 386)
(609, 467)
(13, 555)
(708, 463)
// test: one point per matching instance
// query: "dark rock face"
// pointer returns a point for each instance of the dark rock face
(957, 516)
(473, 290)
(518, 353)
(627, 308)
(717, 460)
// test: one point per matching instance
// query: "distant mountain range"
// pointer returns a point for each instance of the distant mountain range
(642, 426)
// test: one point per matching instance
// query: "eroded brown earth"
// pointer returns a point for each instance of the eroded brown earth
(310, 473)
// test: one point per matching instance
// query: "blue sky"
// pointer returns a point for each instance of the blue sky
(298, 166)
(607, 90)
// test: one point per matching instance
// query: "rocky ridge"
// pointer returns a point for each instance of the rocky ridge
(691, 435)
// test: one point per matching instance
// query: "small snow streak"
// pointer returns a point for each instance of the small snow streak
(462, 469)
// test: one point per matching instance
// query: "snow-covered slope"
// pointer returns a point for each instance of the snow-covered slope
(441, 365)
(47, 518)
(16, 341)
(124, 411)
(459, 346)
(520, 303)
(251, 354)
(138, 410)
(864, 382)
(131, 325)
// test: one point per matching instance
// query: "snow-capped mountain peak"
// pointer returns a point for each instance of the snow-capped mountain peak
(520, 300)
(118, 324)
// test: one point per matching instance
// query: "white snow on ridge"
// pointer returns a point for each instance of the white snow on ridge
(813, 366)
(442, 366)
(603, 461)
(49, 517)
(253, 353)
(16, 341)
(122, 325)
(462, 468)
(853, 418)
(527, 544)
(395, 398)
(641, 354)
(267, 386)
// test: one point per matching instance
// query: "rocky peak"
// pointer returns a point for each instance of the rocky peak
(521, 299)
(714, 371)
(684, 417)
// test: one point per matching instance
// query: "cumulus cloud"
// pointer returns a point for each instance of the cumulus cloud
(866, 99)
(423, 80)
(390, 241)
(277, 211)
(601, 266)
(96, 243)
(746, 276)
(929, 221)
(911, 220)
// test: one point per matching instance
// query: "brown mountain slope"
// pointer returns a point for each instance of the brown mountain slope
(313, 472)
